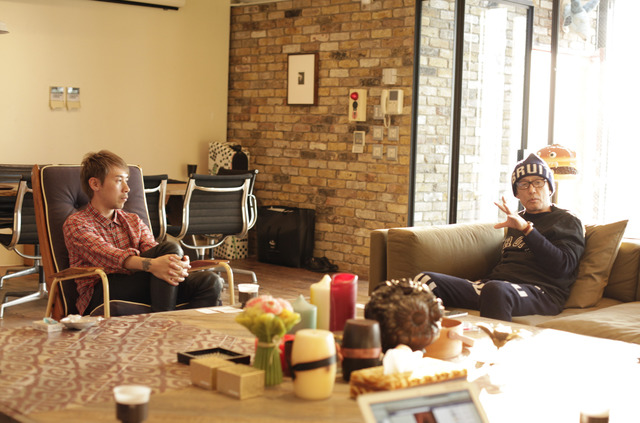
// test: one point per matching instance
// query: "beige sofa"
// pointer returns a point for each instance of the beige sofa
(604, 301)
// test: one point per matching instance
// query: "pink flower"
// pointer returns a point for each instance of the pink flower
(285, 304)
(271, 305)
(268, 304)
(255, 301)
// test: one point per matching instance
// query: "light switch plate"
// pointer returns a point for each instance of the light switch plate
(377, 151)
(377, 112)
(378, 133)
(358, 142)
(392, 152)
(394, 133)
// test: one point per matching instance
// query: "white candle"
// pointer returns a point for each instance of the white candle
(310, 348)
(308, 314)
(321, 298)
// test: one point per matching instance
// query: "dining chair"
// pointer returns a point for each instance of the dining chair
(57, 194)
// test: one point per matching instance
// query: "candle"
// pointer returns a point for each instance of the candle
(361, 346)
(313, 364)
(344, 290)
(321, 298)
(308, 314)
(284, 360)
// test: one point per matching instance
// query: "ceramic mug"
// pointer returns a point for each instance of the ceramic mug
(449, 343)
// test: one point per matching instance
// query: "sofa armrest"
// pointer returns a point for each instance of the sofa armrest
(377, 258)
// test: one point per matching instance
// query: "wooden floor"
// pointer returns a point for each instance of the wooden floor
(278, 281)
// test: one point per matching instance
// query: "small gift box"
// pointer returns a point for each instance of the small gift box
(204, 371)
(240, 381)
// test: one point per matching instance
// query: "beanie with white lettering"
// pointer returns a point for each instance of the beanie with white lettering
(532, 166)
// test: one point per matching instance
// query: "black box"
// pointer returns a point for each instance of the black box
(235, 357)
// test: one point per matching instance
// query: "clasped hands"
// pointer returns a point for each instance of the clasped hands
(514, 220)
(171, 268)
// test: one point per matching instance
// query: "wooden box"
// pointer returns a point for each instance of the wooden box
(241, 381)
(204, 370)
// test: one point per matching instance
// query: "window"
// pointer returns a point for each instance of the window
(594, 112)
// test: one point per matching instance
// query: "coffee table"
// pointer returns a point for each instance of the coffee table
(543, 377)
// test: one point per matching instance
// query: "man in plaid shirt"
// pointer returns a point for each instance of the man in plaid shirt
(140, 269)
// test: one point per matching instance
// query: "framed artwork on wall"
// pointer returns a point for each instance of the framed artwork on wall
(302, 79)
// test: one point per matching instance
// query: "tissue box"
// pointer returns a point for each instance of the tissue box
(204, 371)
(431, 370)
(241, 381)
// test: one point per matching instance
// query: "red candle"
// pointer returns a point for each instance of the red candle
(283, 354)
(344, 291)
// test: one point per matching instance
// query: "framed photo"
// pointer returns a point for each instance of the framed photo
(302, 78)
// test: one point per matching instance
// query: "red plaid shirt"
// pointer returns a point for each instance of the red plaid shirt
(94, 240)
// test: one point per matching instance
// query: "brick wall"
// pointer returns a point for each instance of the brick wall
(304, 153)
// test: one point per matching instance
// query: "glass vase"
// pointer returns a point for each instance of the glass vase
(267, 358)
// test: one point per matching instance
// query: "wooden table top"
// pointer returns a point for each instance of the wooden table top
(546, 375)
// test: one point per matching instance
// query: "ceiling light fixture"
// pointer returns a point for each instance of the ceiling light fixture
(3, 28)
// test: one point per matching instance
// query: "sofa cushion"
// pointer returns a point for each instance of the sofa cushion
(601, 247)
(620, 322)
(624, 279)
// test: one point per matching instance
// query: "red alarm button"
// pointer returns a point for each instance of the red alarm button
(354, 96)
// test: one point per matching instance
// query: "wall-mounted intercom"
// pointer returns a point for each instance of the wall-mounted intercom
(392, 101)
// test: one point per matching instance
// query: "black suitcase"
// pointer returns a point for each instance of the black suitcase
(285, 235)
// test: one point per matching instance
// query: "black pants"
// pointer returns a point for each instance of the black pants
(199, 289)
(494, 299)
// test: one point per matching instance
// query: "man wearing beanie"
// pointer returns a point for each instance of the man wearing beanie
(540, 255)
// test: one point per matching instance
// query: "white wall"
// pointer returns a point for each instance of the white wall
(153, 83)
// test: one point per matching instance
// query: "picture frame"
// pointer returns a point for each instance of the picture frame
(302, 79)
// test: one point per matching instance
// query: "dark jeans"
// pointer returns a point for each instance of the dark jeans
(494, 299)
(199, 289)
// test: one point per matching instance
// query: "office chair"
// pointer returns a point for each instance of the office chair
(58, 194)
(23, 232)
(155, 191)
(252, 207)
(214, 207)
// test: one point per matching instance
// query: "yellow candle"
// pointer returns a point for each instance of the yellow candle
(313, 359)
(321, 298)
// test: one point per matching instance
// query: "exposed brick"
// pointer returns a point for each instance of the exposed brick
(304, 153)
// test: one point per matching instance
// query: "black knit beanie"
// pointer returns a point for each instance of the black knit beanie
(532, 166)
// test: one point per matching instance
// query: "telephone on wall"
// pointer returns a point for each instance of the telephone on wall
(391, 103)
